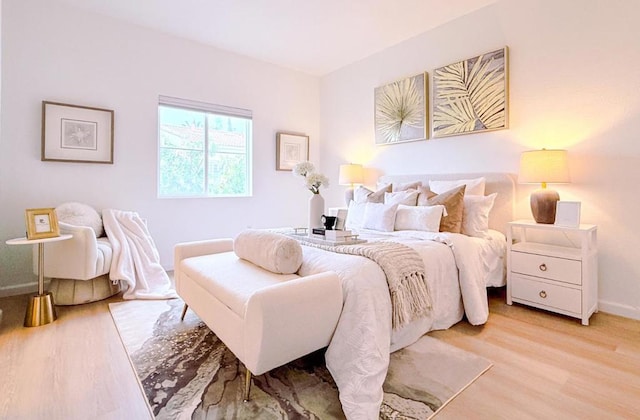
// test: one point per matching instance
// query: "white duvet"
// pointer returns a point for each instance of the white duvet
(358, 355)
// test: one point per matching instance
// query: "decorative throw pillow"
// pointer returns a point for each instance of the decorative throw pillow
(274, 252)
(426, 218)
(355, 215)
(452, 200)
(474, 186)
(378, 216)
(79, 214)
(475, 217)
(365, 195)
(408, 197)
(406, 186)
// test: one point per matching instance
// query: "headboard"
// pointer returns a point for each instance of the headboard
(502, 183)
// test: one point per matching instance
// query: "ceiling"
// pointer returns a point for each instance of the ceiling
(313, 36)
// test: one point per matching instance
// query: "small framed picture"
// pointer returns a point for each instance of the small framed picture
(568, 213)
(42, 223)
(341, 218)
(291, 149)
(74, 133)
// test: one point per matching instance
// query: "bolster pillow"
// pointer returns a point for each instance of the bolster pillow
(272, 251)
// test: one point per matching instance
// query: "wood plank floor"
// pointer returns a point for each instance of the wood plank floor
(546, 366)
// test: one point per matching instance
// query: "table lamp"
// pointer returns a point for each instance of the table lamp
(350, 174)
(544, 166)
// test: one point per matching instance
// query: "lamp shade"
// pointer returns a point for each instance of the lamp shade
(350, 173)
(544, 166)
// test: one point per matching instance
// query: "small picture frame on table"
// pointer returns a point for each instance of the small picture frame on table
(42, 223)
(341, 218)
(291, 149)
(568, 214)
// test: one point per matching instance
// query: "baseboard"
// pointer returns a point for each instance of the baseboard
(21, 289)
(619, 309)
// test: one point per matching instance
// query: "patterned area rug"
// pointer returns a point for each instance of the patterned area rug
(187, 372)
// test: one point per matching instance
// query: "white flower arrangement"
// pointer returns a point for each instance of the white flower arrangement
(312, 179)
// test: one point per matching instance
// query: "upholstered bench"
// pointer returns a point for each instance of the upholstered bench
(265, 318)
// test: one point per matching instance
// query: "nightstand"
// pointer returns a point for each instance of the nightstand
(553, 267)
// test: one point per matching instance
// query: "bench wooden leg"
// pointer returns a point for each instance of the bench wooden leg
(247, 384)
(184, 312)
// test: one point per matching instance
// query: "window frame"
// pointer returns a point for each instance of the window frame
(207, 110)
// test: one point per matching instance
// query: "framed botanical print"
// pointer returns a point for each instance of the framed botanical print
(291, 149)
(75, 133)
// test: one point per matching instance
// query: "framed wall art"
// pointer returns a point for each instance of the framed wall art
(291, 149)
(41, 223)
(400, 110)
(74, 133)
(471, 96)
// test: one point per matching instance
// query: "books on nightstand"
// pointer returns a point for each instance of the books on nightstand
(333, 235)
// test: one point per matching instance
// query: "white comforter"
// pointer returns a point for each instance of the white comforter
(358, 355)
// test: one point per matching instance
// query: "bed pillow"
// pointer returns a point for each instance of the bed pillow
(272, 251)
(398, 186)
(474, 186)
(408, 197)
(426, 218)
(452, 200)
(365, 195)
(79, 214)
(378, 216)
(475, 217)
(355, 215)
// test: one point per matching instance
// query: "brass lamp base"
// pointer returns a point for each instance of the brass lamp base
(543, 205)
(40, 310)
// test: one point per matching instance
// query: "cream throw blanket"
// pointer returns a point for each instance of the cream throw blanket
(405, 274)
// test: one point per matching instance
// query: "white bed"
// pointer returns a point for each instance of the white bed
(458, 270)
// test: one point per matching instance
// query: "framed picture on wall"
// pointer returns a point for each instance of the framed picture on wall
(74, 133)
(291, 149)
(41, 223)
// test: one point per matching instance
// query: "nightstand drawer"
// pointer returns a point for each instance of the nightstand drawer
(541, 293)
(568, 271)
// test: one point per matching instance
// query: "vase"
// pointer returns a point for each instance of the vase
(316, 210)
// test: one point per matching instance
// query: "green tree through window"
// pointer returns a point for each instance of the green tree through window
(203, 153)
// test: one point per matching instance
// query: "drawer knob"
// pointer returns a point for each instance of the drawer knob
(543, 267)
(543, 294)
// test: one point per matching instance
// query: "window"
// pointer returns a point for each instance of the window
(204, 149)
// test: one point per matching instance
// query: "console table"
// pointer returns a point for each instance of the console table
(41, 309)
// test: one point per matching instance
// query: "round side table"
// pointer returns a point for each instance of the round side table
(41, 309)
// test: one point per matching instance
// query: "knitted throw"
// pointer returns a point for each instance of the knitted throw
(405, 273)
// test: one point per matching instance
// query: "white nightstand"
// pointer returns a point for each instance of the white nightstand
(553, 268)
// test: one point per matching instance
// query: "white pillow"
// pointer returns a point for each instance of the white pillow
(378, 216)
(408, 197)
(474, 186)
(272, 251)
(355, 215)
(79, 214)
(425, 218)
(475, 216)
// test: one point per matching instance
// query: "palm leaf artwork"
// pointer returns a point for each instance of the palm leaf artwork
(400, 111)
(471, 95)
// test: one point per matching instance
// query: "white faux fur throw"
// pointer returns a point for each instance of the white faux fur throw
(135, 257)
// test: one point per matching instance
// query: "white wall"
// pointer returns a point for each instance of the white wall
(574, 83)
(56, 53)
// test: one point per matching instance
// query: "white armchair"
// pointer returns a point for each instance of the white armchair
(78, 267)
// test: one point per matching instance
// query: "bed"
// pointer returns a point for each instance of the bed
(458, 269)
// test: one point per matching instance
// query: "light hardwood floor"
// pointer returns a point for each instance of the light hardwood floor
(546, 366)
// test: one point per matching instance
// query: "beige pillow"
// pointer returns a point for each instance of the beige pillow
(408, 197)
(365, 195)
(406, 186)
(272, 251)
(452, 200)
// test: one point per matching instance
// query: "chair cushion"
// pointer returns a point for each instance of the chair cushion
(79, 214)
(105, 255)
(230, 279)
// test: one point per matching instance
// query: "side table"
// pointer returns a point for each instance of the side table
(41, 309)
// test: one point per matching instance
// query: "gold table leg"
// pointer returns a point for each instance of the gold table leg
(41, 309)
